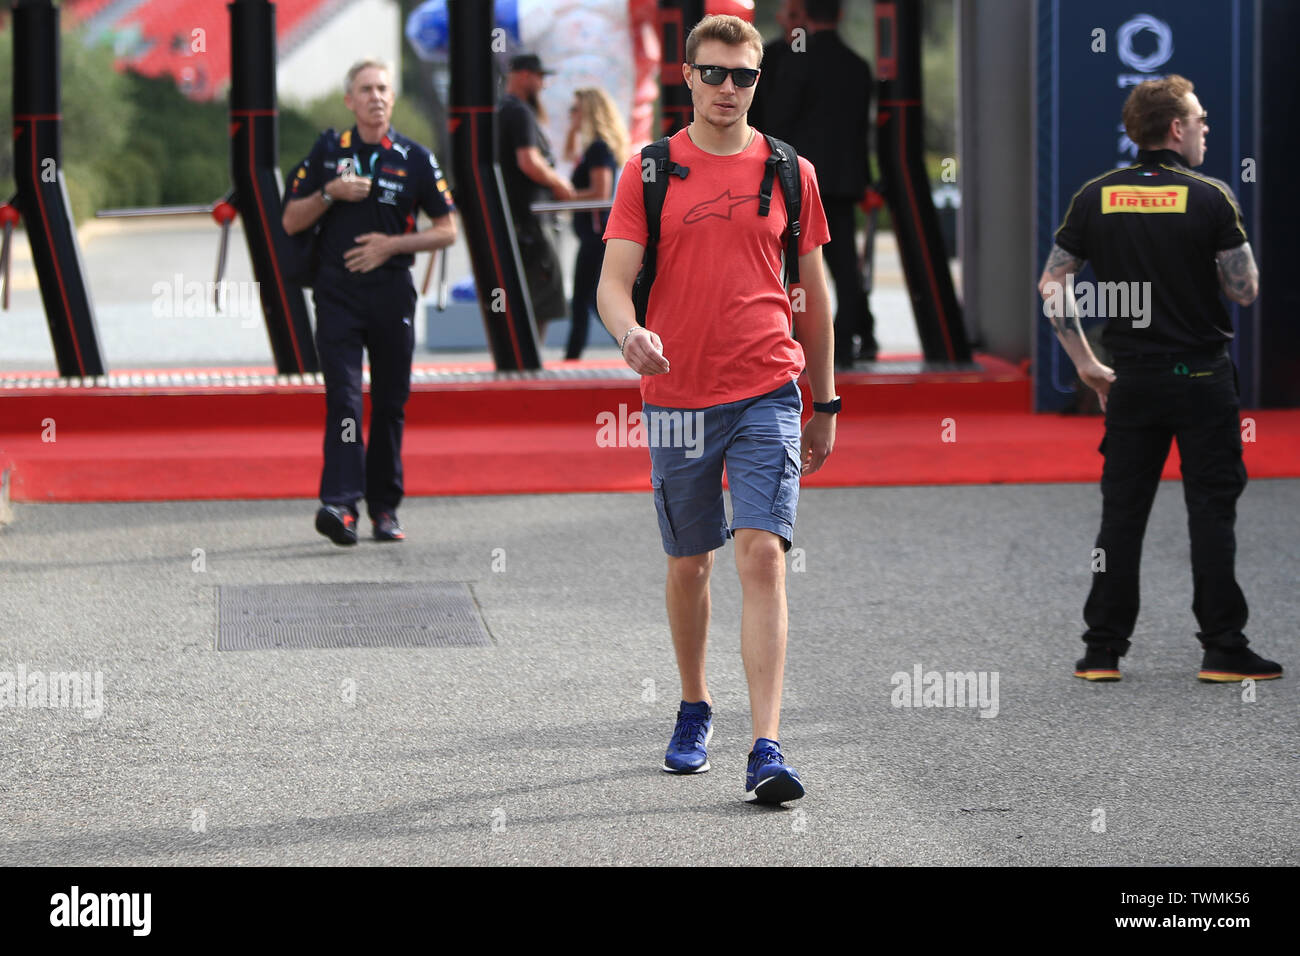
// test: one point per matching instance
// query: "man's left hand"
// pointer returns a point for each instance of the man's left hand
(1099, 378)
(371, 251)
(817, 442)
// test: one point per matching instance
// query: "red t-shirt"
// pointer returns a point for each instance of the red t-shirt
(718, 303)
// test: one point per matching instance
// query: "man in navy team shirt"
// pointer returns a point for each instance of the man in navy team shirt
(364, 186)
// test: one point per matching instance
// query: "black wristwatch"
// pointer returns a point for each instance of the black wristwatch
(830, 408)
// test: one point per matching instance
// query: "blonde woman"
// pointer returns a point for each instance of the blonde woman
(598, 141)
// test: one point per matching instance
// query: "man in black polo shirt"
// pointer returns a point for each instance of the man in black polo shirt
(527, 170)
(368, 183)
(1164, 240)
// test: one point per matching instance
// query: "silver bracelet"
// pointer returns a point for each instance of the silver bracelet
(635, 328)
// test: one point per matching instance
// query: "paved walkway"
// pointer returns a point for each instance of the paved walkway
(545, 747)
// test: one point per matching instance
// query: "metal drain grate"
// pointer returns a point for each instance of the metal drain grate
(275, 616)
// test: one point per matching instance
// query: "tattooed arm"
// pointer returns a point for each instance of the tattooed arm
(1056, 288)
(1238, 275)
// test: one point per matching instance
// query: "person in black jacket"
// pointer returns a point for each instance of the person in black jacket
(791, 19)
(816, 96)
(1163, 242)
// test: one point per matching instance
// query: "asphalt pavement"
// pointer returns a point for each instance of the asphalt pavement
(544, 747)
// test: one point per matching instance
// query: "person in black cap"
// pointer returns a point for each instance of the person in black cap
(527, 169)
(1170, 240)
(365, 187)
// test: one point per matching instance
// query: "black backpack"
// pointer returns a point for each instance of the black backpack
(783, 162)
(300, 253)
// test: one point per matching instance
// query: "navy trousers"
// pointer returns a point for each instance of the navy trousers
(375, 313)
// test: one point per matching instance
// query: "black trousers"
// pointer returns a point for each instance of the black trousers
(1151, 403)
(852, 314)
(542, 270)
(375, 313)
(586, 277)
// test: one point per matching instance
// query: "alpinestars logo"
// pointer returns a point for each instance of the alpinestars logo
(720, 206)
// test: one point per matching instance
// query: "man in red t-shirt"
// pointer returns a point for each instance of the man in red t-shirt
(719, 312)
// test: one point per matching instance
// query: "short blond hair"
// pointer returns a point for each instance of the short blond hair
(1152, 106)
(365, 64)
(730, 30)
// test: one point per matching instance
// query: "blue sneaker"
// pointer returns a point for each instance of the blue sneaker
(768, 779)
(686, 753)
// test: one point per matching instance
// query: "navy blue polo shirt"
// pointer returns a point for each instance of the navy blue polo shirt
(404, 176)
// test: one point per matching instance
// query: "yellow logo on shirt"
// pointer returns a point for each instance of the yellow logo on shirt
(1143, 199)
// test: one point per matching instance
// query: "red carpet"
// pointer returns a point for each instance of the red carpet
(517, 436)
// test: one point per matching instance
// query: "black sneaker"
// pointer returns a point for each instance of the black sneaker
(386, 528)
(1098, 664)
(337, 524)
(1231, 666)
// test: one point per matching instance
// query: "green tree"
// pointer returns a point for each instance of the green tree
(97, 120)
(184, 144)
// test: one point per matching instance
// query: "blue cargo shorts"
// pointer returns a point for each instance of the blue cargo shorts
(756, 439)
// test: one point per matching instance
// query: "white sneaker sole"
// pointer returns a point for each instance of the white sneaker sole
(777, 789)
(704, 769)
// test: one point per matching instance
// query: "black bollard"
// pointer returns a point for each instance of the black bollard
(254, 169)
(41, 197)
(901, 152)
(494, 254)
(676, 19)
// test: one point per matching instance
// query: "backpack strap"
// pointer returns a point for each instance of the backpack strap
(656, 168)
(784, 163)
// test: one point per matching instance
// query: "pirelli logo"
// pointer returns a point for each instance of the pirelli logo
(1143, 199)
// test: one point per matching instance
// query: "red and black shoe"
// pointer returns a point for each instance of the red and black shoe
(1098, 664)
(1234, 665)
(337, 524)
(386, 527)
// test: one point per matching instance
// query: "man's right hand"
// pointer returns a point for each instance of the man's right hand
(348, 188)
(644, 353)
(562, 190)
(1098, 378)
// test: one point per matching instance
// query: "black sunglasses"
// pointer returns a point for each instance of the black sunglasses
(716, 75)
